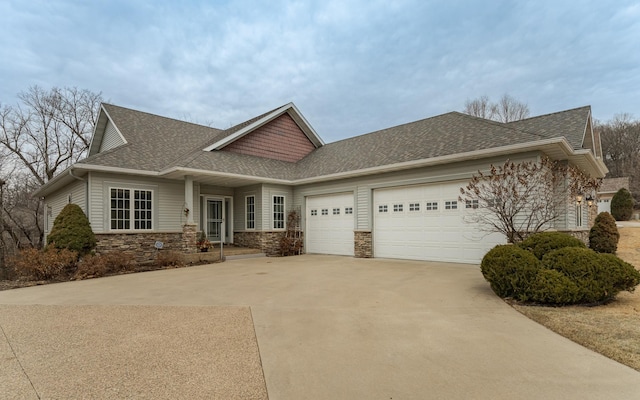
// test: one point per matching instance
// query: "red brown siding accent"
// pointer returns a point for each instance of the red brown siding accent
(280, 139)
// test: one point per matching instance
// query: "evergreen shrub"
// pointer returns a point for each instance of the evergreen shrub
(622, 205)
(544, 242)
(604, 235)
(509, 270)
(72, 230)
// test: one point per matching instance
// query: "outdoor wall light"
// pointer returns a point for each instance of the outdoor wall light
(579, 199)
(589, 201)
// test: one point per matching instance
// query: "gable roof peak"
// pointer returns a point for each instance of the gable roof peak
(240, 130)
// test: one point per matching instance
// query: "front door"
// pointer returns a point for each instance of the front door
(215, 226)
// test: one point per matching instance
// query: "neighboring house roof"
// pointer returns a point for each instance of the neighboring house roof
(170, 148)
(612, 185)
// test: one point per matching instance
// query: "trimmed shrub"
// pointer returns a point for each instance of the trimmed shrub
(44, 265)
(510, 270)
(544, 242)
(623, 275)
(71, 230)
(622, 205)
(553, 287)
(598, 279)
(604, 235)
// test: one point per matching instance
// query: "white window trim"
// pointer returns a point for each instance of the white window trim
(246, 213)
(284, 212)
(132, 209)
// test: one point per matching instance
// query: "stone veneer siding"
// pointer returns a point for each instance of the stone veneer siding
(362, 244)
(268, 242)
(142, 244)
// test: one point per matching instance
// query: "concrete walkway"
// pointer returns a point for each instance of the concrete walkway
(326, 328)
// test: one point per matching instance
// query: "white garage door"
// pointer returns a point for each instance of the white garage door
(426, 222)
(329, 224)
(604, 205)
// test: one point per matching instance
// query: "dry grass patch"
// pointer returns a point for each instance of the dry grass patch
(613, 329)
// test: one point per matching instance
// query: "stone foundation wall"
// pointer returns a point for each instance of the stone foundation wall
(363, 244)
(140, 245)
(268, 242)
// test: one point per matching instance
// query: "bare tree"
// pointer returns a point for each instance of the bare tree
(49, 130)
(620, 139)
(39, 137)
(517, 199)
(507, 109)
(480, 107)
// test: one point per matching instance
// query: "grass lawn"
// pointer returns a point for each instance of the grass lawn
(613, 329)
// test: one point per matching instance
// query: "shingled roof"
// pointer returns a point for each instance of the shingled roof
(570, 123)
(163, 146)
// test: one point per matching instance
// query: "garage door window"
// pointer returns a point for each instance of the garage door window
(472, 204)
(348, 210)
(398, 207)
(314, 213)
(383, 208)
(325, 211)
(414, 206)
(451, 205)
(336, 211)
(431, 205)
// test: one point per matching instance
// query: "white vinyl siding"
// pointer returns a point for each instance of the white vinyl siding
(268, 191)
(239, 206)
(111, 138)
(168, 202)
(56, 202)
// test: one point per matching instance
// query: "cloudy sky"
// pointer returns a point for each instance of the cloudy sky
(351, 67)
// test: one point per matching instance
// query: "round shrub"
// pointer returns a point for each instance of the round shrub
(622, 205)
(542, 243)
(623, 275)
(71, 230)
(553, 287)
(586, 269)
(604, 235)
(509, 270)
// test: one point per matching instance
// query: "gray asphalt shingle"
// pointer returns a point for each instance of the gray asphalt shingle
(156, 143)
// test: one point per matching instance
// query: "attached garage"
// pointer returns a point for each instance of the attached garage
(426, 222)
(329, 224)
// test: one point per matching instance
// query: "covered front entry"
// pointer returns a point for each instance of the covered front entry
(426, 222)
(216, 219)
(329, 224)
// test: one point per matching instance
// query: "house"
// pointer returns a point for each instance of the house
(391, 193)
(607, 189)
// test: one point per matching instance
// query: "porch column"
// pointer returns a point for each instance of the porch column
(188, 198)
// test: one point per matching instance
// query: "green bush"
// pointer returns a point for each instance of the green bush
(622, 205)
(604, 235)
(623, 275)
(509, 270)
(544, 242)
(44, 265)
(71, 230)
(598, 278)
(553, 287)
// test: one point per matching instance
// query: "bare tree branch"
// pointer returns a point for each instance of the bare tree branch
(507, 109)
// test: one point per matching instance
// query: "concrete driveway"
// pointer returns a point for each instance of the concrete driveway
(306, 327)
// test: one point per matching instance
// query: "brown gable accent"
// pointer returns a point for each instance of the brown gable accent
(280, 139)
